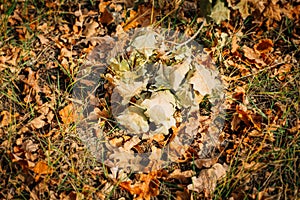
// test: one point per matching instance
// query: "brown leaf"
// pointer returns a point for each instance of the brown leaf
(182, 195)
(106, 17)
(264, 46)
(90, 29)
(242, 7)
(207, 180)
(252, 55)
(234, 45)
(42, 39)
(200, 163)
(283, 71)
(130, 22)
(67, 114)
(6, 118)
(38, 122)
(183, 177)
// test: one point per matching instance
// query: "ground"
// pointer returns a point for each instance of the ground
(255, 48)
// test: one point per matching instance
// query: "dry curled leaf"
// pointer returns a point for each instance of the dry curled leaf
(264, 46)
(207, 180)
(147, 187)
(38, 122)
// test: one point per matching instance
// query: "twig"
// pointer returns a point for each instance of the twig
(264, 69)
(190, 39)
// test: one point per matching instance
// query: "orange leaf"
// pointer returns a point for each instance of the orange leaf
(234, 45)
(264, 46)
(131, 21)
(66, 114)
(147, 188)
(42, 168)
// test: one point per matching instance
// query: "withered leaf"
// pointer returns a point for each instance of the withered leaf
(67, 114)
(207, 180)
(264, 46)
(220, 12)
(38, 122)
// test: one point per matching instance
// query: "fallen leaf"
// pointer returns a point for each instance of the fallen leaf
(146, 42)
(6, 118)
(234, 45)
(41, 168)
(204, 80)
(160, 108)
(130, 22)
(133, 121)
(183, 195)
(90, 28)
(283, 71)
(147, 187)
(253, 55)
(220, 12)
(67, 114)
(207, 180)
(43, 39)
(208, 162)
(183, 177)
(106, 17)
(38, 122)
(243, 7)
(264, 46)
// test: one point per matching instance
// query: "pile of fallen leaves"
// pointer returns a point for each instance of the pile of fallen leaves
(43, 47)
(154, 87)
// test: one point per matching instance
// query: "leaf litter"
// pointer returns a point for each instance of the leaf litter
(40, 156)
(153, 80)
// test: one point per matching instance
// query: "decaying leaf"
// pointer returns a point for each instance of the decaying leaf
(243, 7)
(182, 176)
(134, 122)
(253, 55)
(264, 46)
